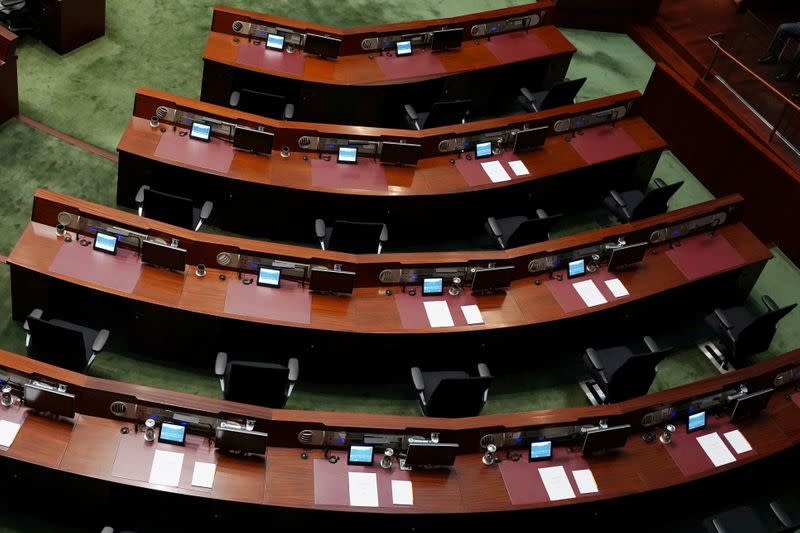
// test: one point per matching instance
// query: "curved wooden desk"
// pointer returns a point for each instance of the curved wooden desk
(256, 195)
(69, 280)
(488, 71)
(9, 99)
(92, 446)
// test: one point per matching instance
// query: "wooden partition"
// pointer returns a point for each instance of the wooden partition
(9, 98)
(604, 15)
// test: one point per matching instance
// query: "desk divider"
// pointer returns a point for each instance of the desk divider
(604, 143)
(120, 272)
(419, 63)
(687, 453)
(365, 174)
(259, 56)
(522, 480)
(517, 46)
(331, 485)
(289, 303)
(703, 255)
(215, 155)
(412, 308)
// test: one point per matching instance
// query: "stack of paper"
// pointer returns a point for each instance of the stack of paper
(472, 314)
(556, 483)
(363, 489)
(8, 432)
(439, 314)
(166, 469)
(589, 292)
(402, 492)
(495, 171)
(585, 481)
(203, 475)
(715, 449)
(617, 288)
(519, 168)
(737, 441)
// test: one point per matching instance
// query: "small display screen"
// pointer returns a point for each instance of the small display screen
(483, 150)
(696, 421)
(275, 41)
(403, 48)
(269, 277)
(540, 450)
(172, 433)
(105, 243)
(360, 455)
(576, 268)
(200, 131)
(347, 154)
(432, 286)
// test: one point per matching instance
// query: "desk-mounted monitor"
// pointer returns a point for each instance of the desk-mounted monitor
(269, 277)
(430, 455)
(240, 441)
(200, 131)
(404, 48)
(393, 153)
(483, 150)
(250, 140)
(322, 45)
(626, 256)
(604, 439)
(448, 39)
(576, 268)
(750, 404)
(48, 399)
(528, 140)
(172, 433)
(492, 279)
(361, 455)
(347, 154)
(105, 242)
(540, 451)
(696, 422)
(432, 286)
(163, 255)
(332, 281)
(275, 41)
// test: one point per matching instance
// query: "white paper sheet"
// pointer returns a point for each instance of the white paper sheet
(737, 441)
(495, 171)
(8, 432)
(585, 481)
(519, 168)
(166, 469)
(715, 449)
(589, 292)
(439, 314)
(617, 288)
(203, 475)
(472, 313)
(402, 492)
(363, 489)
(556, 483)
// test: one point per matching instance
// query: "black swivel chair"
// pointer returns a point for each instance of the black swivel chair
(62, 343)
(16, 15)
(510, 232)
(742, 519)
(264, 384)
(635, 204)
(175, 210)
(560, 94)
(621, 374)
(452, 394)
(264, 104)
(352, 237)
(787, 510)
(441, 114)
(744, 333)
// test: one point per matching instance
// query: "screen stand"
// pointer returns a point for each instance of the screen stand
(403, 465)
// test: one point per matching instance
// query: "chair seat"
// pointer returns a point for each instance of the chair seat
(613, 358)
(738, 520)
(89, 335)
(508, 226)
(432, 380)
(631, 198)
(738, 316)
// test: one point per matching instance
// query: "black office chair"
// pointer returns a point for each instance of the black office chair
(264, 104)
(743, 333)
(452, 394)
(560, 94)
(635, 204)
(352, 237)
(510, 232)
(787, 510)
(15, 15)
(742, 519)
(265, 384)
(62, 343)
(175, 210)
(441, 114)
(619, 374)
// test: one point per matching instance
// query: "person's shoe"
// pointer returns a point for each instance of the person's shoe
(785, 75)
(768, 59)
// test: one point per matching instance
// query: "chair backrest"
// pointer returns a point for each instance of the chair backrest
(256, 383)
(447, 113)
(175, 210)
(531, 231)
(561, 94)
(655, 201)
(355, 237)
(634, 377)
(264, 104)
(57, 344)
(457, 397)
(756, 336)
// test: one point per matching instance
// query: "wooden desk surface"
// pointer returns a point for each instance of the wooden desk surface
(363, 69)
(369, 309)
(432, 176)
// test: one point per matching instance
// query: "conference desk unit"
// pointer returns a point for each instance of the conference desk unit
(102, 451)
(368, 87)
(65, 25)
(183, 316)
(280, 197)
(9, 97)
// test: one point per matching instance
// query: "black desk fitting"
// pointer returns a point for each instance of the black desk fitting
(675, 243)
(553, 275)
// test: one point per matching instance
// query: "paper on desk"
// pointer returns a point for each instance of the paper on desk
(472, 313)
(519, 168)
(203, 475)
(166, 469)
(617, 288)
(402, 493)
(737, 441)
(439, 314)
(556, 483)
(589, 292)
(8, 432)
(715, 449)
(363, 489)
(495, 171)
(585, 481)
